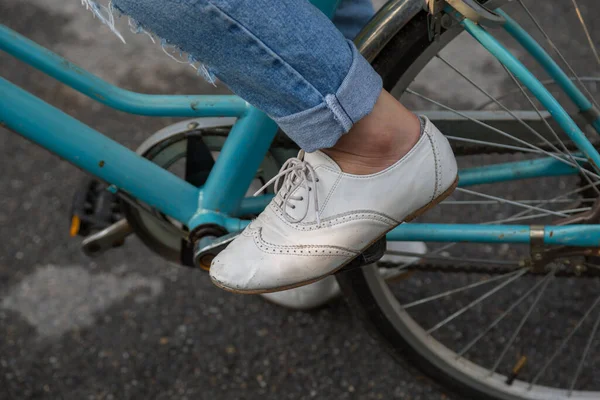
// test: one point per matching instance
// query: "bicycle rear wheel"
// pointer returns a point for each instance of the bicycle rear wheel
(496, 357)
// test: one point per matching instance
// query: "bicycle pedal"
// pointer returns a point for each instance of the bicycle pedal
(207, 247)
(371, 255)
(94, 210)
(106, 239)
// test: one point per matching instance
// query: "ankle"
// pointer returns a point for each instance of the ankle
(378, 140)
(364, 155)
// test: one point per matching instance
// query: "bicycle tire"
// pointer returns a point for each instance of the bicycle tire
(362, 289)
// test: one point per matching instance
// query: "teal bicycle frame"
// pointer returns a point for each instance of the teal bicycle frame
(222, 196)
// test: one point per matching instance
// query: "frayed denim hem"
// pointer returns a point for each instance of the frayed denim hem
(316, 128)
(107, 14)
(322, 126)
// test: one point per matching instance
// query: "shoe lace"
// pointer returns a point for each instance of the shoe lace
(294, 173)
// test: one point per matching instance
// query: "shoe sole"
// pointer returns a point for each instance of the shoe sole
(409, 218)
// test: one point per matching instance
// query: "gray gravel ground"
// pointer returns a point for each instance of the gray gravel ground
(128, 325)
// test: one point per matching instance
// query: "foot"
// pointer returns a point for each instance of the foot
(379, 140)
(322, 218)
(322, 292)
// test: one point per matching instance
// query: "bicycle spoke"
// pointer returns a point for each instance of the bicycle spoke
(536, 133)
(585, 354)
(434, 252)
(533, 216)
(514, 217)
(578, 190)
(458, 313)
(510, 312)
(587, 32)
(547, 280)
(544, 82)
(432, 255)
(450, 258)
(460, 289)
(514, 203)
(499, 131)
(566, 151)
(501, 317)
(485, 202)
(558, 52)
(564, 342)
(500, 145)
(525, 212)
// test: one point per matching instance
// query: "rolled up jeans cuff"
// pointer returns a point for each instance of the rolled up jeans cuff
(322, 126)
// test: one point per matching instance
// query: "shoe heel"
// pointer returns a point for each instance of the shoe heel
(433, 202)
(372, 254)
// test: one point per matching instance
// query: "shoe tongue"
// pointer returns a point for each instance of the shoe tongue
(319, 158)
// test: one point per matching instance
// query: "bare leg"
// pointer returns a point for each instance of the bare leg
(378, 140)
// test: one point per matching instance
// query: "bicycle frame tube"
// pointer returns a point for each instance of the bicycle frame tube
(234, 170)
(241, 156)
(95, 153)
(108, 160)
(567, 85)
(115, 97)
(239, 159)
(570, 235)
(244, 150)
(540, 92)
(513, 171)
(328, 7)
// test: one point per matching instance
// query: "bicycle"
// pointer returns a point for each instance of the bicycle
(210, 206)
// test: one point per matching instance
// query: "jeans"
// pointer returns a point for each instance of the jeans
(284, 57)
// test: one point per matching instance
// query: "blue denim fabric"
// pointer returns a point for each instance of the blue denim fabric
(284, 57)
(352, 15)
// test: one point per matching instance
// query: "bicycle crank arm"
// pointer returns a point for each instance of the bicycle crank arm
(106, 239)
(207, 248)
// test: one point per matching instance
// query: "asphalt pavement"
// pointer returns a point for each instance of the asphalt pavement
(128, 325)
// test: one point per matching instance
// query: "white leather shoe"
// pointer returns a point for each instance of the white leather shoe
(322, 218)
(322, 292)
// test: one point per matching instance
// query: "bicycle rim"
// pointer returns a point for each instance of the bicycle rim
(397, 320)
